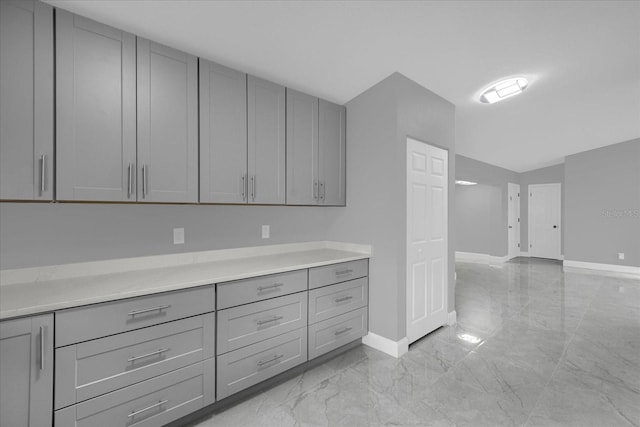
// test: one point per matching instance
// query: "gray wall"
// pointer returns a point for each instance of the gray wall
(602, 202)
(548, 175)
(472, 207)
(478, 219)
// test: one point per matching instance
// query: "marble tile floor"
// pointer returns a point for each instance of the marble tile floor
(533, 346)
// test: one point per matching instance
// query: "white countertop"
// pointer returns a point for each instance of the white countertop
(42, 290)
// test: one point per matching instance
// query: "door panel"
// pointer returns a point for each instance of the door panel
(167, 124)
(95, 110)
(513, 219)
(26, 101)
(545, 220)
(223, 134)
(427, 198)
(266, 144)
(332, 153)
(302, 149)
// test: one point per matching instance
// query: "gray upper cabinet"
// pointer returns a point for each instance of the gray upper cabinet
(332, 153)
(95, 110)
(26, 370)
(266, 142)
(316, 150)
(223, 134)
(26, 100)
(167, 87)
(302, 148)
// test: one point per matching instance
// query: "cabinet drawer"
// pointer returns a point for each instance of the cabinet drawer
(251, 323)
(331, 301)
(246, 291)
(337, 331)
(336, 273)
(250, 365)
(99, 320)
(92, 368)
(154, 402)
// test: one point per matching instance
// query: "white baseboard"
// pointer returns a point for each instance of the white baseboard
(597, 268)
(481, 258)
(385, 345)
(452, 318)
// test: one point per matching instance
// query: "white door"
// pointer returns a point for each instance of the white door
(544, 221)
(427, 268)
(513, 215)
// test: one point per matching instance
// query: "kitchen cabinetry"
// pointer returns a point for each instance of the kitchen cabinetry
(26, 371)
(167, 105)
(95, 110)
(223, 134)
(316, 150)
(26, 100)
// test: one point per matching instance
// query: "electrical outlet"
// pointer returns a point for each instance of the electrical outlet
(178, 236)
(620, 255)
(266, 232)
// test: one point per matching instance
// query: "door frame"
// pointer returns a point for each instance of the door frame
(446, 234)
(511, 189)
(557, 185)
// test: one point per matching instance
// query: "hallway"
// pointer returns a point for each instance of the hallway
(533, 346)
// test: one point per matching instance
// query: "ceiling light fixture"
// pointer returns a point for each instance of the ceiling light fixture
(461, 182)
(503, 89)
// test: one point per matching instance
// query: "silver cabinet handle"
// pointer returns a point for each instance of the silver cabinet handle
(342, 331)
(130, 181)
(273, 359)
(266, 288)
(321, 191)
(253, 187)
(145, 181)
(244, 186)
(43, 173)
(153, 353)
(42, 349)
(341, 272)
(148, 310)
(315, 190)
(139, 411)
(339, 300)
(274, 319)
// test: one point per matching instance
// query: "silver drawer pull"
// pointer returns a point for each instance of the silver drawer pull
(347, 271)
(148, 310)
(139, 411)
(266, 288)
(342, 331)
(153, 353)
(273, 359)
(264, 322)
(343, 299)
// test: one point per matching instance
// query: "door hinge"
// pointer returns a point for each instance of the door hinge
(518, 194)
(518, 244)
(530, 245)
(518, 219)
(510, 198)
(530, 194)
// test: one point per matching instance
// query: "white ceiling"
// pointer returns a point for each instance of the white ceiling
(582, 59)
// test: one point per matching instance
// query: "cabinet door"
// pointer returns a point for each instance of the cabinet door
(332, 152)
(26, 372)
(302, 148)
(223, 134)
(26, 100)
(167, 124)
(266, 143)
(95, 110)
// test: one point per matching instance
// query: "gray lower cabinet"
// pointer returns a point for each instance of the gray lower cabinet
(316, 151)
(26, 371)
(223, 134)
(331, 301)
(255, 363)
(26, 101)
(266, 148)
(154, 402)
(167, 107)
(238, 292)
(95, 110)
(336, 273)
(337, 331)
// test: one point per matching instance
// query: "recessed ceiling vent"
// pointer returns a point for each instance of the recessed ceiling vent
(504, 89)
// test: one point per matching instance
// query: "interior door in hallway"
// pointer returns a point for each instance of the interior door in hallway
(544, 221)
(513, 215)
(427, 239)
